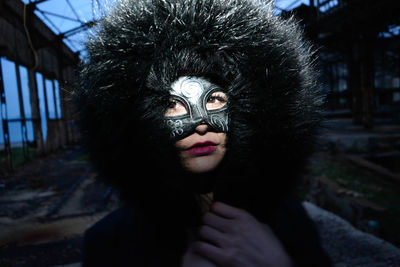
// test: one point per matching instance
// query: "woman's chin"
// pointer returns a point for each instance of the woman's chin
(201, 164)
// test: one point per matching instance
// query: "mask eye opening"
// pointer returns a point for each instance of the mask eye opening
(216, 99)
(175, 107)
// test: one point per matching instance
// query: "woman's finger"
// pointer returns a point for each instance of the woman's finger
(217, 222)
(212, 235)
(226, 210)
(210, 252)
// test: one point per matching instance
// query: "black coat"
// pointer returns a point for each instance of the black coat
(125, 238)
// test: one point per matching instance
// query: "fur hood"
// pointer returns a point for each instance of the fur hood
(260, 59)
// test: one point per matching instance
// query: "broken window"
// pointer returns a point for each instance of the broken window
(42, 104)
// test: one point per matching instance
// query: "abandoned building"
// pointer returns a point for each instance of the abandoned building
(37, 81)
(358, 55)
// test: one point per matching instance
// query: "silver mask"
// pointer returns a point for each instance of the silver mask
(193, 93)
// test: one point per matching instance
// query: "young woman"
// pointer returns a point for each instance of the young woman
(202, 113)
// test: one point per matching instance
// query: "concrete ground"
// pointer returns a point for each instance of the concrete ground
(45, 207)
(348, 246)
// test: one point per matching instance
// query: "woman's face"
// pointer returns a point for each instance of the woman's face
(204, 149)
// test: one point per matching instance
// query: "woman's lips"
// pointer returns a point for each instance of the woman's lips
(202, 148)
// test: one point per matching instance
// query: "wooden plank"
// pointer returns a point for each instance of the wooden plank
(375, 168)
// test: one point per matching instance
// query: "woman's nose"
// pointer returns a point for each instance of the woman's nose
(202, 128)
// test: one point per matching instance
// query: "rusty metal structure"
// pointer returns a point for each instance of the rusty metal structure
(358, 43)
(50, 65)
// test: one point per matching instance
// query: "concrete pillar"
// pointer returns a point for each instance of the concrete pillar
(354, 66)
(367, 83)
(36, 120)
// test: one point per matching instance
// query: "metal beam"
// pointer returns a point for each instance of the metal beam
(31, 2)
(48, 20)
(59, 16)
(78, 29)
(73, 11)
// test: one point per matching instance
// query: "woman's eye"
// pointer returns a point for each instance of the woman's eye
(172, 104)
(216, 101)
(212, 99)
(175, 108)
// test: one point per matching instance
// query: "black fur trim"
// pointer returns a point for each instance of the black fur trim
(261, 60)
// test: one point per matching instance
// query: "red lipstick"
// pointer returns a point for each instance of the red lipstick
(202, 148)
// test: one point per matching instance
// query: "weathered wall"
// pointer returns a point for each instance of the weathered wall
(43, 52)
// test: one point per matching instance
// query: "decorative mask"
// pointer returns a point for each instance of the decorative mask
(194, 93)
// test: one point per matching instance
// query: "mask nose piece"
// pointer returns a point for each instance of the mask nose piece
(199, 116)
(200, 120)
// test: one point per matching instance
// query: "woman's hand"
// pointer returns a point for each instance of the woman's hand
(192, 259)
(231, 237)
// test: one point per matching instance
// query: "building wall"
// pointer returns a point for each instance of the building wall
(36, 86)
